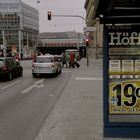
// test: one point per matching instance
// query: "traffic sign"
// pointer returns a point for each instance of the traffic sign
(89, 29)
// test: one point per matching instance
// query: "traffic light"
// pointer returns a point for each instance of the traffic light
(49, 15)
(87, 42)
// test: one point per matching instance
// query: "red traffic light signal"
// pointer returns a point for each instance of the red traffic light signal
(87, 42)
(49, 15)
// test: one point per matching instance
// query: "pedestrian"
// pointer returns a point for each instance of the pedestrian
(33, 56)
(17, 57)
(1, 53)
(21, 56)
(77, 56)
(76, 64)
(64, 61)
(71, 61)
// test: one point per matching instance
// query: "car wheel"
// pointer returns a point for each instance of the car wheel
(10, 76)
(34, 75)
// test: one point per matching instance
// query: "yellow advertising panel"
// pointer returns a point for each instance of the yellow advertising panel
(124, 97)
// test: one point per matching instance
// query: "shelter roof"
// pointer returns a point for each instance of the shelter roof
(118, 11)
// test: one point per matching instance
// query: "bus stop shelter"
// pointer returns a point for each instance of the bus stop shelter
(121, 67)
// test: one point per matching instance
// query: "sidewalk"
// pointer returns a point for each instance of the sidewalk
(78, 113)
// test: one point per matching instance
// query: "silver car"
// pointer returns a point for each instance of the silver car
(46, 64)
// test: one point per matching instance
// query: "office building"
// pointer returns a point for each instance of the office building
(19, 26)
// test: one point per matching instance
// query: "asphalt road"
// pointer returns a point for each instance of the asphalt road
(26, 102)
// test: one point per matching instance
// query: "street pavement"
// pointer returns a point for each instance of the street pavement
(78, 114)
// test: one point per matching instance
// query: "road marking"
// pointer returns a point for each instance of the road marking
(39, 81)
(89, 78)
(37, 84)
(10, 84)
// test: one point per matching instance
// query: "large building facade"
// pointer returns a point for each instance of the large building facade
(57, 42)
(19, 26)
(96, 37)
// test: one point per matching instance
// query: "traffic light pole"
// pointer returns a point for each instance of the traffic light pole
(85, 34)
(69, 16)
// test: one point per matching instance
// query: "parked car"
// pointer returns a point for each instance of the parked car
(10, 68)
(45, 64)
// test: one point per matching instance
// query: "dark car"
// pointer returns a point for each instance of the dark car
(10, 68)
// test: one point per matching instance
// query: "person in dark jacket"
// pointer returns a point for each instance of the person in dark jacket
(64, 59)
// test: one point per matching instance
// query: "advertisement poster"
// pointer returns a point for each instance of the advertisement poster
(114, 68)
(124, 73)
(137, 66)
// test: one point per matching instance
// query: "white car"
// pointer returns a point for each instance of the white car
(46, 64)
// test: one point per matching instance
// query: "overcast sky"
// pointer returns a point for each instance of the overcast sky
(60, 7)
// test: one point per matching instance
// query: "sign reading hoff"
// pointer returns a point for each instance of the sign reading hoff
(124, 38)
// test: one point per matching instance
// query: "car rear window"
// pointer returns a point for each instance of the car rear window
(44, 59)
(1, 63)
